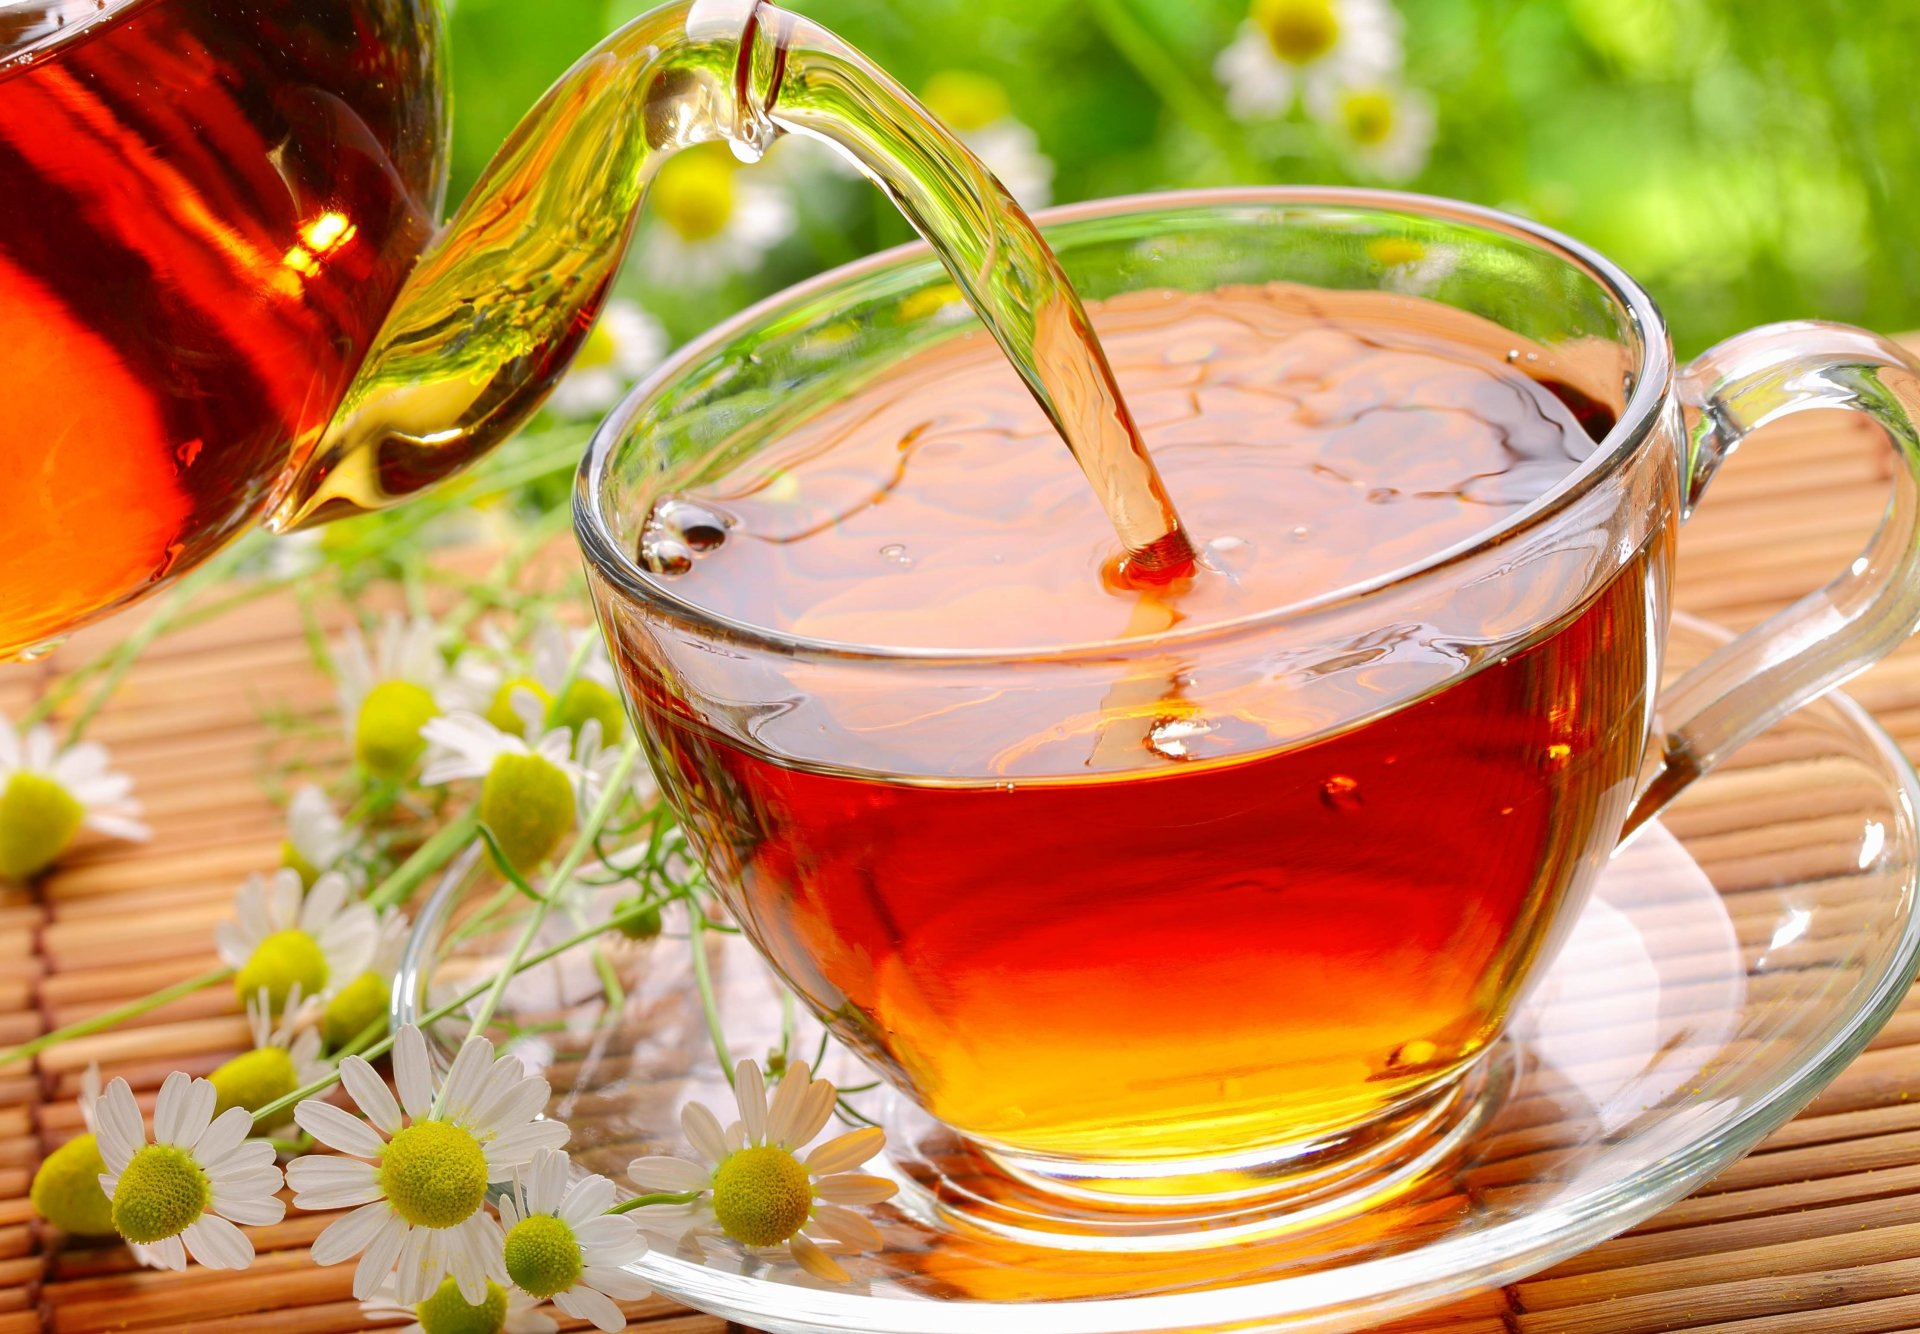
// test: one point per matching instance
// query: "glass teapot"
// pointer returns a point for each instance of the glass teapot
(225, 295)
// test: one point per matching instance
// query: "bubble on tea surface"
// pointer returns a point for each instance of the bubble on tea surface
(1230, 555)
(1173, 738)
(665, 556)
(895, 554)
(700, 527)
(1340, 792)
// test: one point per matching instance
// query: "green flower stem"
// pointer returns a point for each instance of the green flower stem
(398, 887)
(610, 797)
(378, 1049)
(131, 1010)
(656, 1197)
(703, 979)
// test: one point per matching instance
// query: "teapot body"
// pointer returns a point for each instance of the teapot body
(207, 208)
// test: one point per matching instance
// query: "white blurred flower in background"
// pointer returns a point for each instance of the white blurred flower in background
(1289, 47)
(705, 218)
(624, 345)
(976, 108)
(1385, 128)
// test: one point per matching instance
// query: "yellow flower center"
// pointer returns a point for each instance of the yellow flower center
(66, 1190)
(162, 1191)
(543, 1256)
(447, 1312)
(291, 858)
(528, 804)
(352, 1008)
(596, 349)
(386, 735)
(281, 960)
(253, 1079)
(762, 1196)
(1368, 117)
(693, 192)
(38, 818)
(434, 1174)
(1299, 31)
(1394, 251)
(586, 699)
(966, 100)
(500, 712)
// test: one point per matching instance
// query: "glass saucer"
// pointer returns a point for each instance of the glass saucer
(1735, 956)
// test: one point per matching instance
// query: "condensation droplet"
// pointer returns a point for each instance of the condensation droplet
(1171, 738)
(1340, 792)
(1513, 355)
(700, 527)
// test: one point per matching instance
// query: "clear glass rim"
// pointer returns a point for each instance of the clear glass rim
(1653, 376)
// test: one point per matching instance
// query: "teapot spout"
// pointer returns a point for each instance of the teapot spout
(501, 300)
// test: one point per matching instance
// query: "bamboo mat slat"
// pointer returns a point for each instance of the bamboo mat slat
(1817, 1232)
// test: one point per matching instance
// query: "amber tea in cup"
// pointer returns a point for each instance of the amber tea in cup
(1177, 882)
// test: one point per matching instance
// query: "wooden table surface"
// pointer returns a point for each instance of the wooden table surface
(1818, 1232)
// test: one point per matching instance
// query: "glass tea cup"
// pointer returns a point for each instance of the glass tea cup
(1180, 981)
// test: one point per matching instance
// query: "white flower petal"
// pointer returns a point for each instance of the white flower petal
(547, 1174)
(703, 1131)
(338, 1130)
(169, 1253)
(222, 1138)
(583, 1303)
(217, 1244)
(846, 1151)
(617, 1283)
(516, 1147)
(814, 1260)
(121, 1133)
(381, 1253)
(587, 1201)
(417, 1270)
(844, 1225)
(518, 1104)
(170, 1108)
(370, 1094)
(323, 1182)
(352, 1233)
(412, 1073)
(250, 1207)
(854, 1188)
(669, 1175)
(255, 1155)
(811, 1116)
(787, 1096)
(750, 1091)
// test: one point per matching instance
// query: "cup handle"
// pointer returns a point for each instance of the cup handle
(1867, 611)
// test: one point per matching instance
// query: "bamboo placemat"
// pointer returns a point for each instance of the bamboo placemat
(1818, 1232)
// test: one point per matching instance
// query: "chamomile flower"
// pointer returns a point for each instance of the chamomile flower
(1411, 266)
(388, 695)
(284, 1057)
(49, 793)
(182, 1193)
(280, 938)
(66, 1186)
(705, 218)
(350, 1007)
(563, 1246)
(623, 345)
(318, 840)
(1385, 128)
(420, 1184)
(976, 108)
(1285, 46)
(564, 679)
(530, 792)
(501, 1311)
(755, 1187)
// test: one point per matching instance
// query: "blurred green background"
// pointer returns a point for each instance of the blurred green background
(1748, 160)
